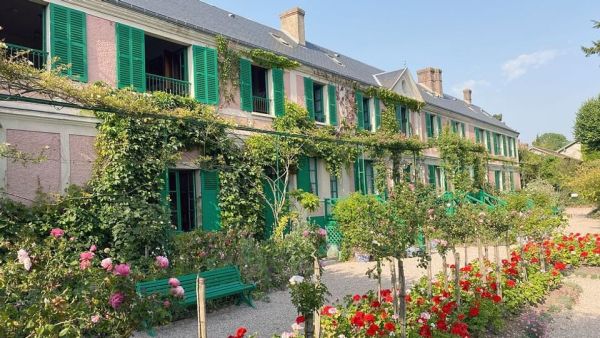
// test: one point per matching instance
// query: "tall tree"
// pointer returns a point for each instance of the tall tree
(587, 124)
(595, 48)
(551, 141)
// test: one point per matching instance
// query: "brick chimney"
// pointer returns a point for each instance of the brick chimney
(467, 95)
(432, 79)
(292, 23)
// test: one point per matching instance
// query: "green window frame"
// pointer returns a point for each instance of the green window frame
(429, 122)
(246, 101)
(131, 58)
(181, 188)
(496, 144)
(278, 91)
(333, 186)
(313, 170)
(364, 176)
(366, 117)
(431, 175)
(309, 97)
(358, 98)
(488, 141)
(477, 135)
(504, 146)
(318, 102)
(402, 118)
(497, 179)
(68, 33)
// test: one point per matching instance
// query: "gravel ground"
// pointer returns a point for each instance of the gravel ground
(345, 278)
(584, 319)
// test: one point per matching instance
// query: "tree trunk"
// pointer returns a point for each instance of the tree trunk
(498, 277)
(309, 327)
(457, 277)
(429, 269)
(480, 256)
(402, 283)
(487, 254)
(317, 277)
(393, 265)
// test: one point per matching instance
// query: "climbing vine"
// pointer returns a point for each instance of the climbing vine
(391, 98)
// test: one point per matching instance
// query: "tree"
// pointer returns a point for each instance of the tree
(595, 48)
(587, 124)
(551, 141)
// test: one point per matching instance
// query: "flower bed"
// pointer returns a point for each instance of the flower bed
(482, 308)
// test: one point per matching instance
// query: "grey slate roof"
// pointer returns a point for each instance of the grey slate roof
(214, 20)
(451, 103)
(389, 79)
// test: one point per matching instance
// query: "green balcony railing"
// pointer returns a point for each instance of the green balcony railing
(35, 56)
(157, 83)
(260, 104)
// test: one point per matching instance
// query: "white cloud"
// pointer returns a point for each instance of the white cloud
(518, 66)
(457, 89)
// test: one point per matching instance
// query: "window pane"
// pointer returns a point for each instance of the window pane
(318, 102)
(366, 114)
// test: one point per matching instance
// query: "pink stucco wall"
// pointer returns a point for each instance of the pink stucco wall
(287, 85)
(83, 155)
(300, 90)
(517, 177)
(101, 50)
(234, 91)
(23, 181)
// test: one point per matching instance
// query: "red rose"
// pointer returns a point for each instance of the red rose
(560, 266)
(407, 298)
(425, 331)
(356, 298)
(584, 254)
(369, 318)
(474, 311)
(510, 283)
(460, 329)
(299, 319)
(496, 298)
(241, 331)
(372, 330)
(389, 326)
(461, 316)
(375, 304)
(441, 325)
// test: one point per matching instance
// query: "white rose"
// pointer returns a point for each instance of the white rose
(27, 263)
(296, 279)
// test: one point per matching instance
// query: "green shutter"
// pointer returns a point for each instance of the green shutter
(489, 141)
(504, 146)
(309, 97)
(131, 55)
(462, 128)
(206, 77)
(69, 40)
(439, 123)
(303, 176)
(278, 91)
(360, 179)
(431, 175)
(377, 113)
(360, 123)
(210, 201)
(428, 125)
(477, 136)
(454, 126)
(246, 85)
(332, 102)
(497, 179)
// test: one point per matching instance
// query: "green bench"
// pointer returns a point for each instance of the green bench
(219, 283)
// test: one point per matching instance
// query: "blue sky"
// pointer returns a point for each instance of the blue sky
(521, 58)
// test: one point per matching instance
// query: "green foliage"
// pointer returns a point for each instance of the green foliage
(10, 152)
(587, 124)
(390, 98)
(459, 155)
(586, 181)
(556, 170)
(269, 59)
(595, 48)
(308, 296)
(550, 141)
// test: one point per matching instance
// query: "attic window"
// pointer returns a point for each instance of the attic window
(334, 58)
(280, 39)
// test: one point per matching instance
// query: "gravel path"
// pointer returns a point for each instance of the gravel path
(584, 319)
(345, 278)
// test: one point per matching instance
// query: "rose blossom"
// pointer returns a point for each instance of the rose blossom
(178, 291)
(162, 262)
(88, 255)
(322, 232)
(27, 263)
(305, 233)
(174, 282)
(95, 319)
(122, 270)
(93, 248)
(84, 264)
(116, 299)
(296, 280)
(166, 304)
(106, 264)
(57, 232)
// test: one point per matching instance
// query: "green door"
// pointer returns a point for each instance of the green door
(181, 188)
(210, 200)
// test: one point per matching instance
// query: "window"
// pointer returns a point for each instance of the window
(333, 186)
(260, 94)
(364, 176)
(479, 136)
(314, 175)
(319, 105)
(182, 193)
(498, 180)
(370, 177)
(402, 116)
(23, 29)
(433, 123)
(437, 178)
(458, 128)
(366, 118)
(166, 68)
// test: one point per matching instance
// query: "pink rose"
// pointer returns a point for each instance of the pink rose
(95, 319)
(106, 264)
(322, 232)
(174, 282)
(57, 232)
(84, 264)
(162, 262)
(88, 255)
(116, 299)
(305, 233)
(122, 270)
(166, 304)
(178, 291)
(93, 248)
